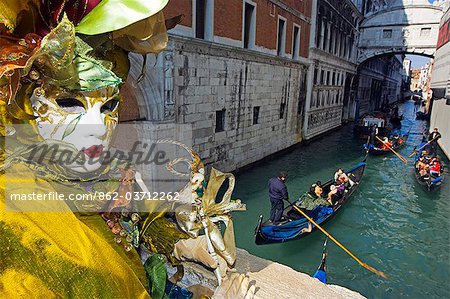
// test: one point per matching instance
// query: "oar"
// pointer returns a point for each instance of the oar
(415, 151)
(397, 154)
(370, 268)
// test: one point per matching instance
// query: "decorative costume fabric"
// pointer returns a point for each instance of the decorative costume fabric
(51, 47)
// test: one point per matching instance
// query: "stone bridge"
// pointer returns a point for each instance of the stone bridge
(400, 26)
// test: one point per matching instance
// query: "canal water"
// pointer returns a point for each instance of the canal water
(391, 222)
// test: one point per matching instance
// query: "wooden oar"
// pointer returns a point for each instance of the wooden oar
(417, 150)
(370, 268)
(397, 154)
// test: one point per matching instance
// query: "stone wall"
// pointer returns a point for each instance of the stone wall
(210, 78)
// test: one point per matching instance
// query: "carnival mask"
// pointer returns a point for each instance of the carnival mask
(84, 119)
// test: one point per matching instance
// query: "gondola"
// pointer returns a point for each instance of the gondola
(321, 272)
(429, 181)
(422, 116)
(291, 229)
(367, 122)
(395, 145)
(396, 121)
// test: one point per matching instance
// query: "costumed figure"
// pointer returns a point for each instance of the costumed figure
(62, 64)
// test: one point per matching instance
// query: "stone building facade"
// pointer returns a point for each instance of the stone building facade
(380, 79)
(236, 72)
(333, 53)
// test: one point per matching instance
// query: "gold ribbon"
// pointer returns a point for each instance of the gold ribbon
(189, 219)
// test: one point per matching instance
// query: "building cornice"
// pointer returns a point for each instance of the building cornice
(327, 58)
(210, 48)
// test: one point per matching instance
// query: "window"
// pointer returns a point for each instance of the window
(256, 115)
(281, 38)
(319, 31)
(328, 82)
(424, 32)
(204, 19)
(325, 35)
(200, 14)
(220, 120)
(322, 74)
(333, 82)
(331, 39)
(336, 41)
(296, 42)
(249, 25)
(315, 75)
(282, 108)
(387, 33)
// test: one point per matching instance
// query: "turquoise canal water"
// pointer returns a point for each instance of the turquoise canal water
(391, 222)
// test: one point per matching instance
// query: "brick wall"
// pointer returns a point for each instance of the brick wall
(178, 7)
(228, 20)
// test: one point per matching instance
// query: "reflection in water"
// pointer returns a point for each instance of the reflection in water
(391, 222)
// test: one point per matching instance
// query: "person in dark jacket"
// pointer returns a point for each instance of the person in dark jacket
(433, 138)
(277, 193)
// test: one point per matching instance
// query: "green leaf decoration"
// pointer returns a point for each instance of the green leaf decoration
(110, 15)
(155, 268)
(71, 126)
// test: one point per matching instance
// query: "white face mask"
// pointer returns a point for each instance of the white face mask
(84, 119)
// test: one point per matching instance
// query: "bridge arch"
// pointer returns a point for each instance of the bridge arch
(403, 27)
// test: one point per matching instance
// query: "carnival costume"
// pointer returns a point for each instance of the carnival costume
(53, 50)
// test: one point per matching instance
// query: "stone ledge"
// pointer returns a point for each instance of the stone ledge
(272, 280)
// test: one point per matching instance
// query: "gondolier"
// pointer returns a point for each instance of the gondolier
(277, 193)
(433, 138)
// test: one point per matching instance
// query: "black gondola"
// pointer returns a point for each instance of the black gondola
(293, 227)
(321, 272)
(422, 116)
(396, 144)
(367, 122)
(430, 181)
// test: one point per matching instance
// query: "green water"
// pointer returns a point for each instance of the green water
(390, 222)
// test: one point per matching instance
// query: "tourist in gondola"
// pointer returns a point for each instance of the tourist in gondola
(422, 166)
(386, 143)
(435, 167)
(277, 193)
(341, 177)
(396, 140)
(318, 190)
(332, 195)
(307, 229)
(433, 138)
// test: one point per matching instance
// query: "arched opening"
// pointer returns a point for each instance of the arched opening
(382, 80)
